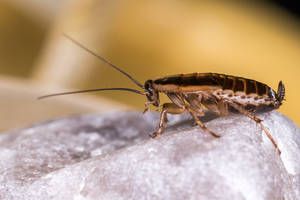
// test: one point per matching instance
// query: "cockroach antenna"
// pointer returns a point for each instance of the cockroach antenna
(103, 60)
(98, 89)
(91, 90)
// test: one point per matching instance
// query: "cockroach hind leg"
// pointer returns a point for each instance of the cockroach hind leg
(270, 137)
(259, 121)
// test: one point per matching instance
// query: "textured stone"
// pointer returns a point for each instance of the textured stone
(110, 156)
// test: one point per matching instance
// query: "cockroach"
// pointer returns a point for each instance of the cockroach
(219, 93)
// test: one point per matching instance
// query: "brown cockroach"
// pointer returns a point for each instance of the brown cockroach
(219, 93)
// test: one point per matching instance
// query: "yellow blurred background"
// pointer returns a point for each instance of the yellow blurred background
(148, 39)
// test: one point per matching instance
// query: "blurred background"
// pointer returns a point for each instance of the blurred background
(148, 39)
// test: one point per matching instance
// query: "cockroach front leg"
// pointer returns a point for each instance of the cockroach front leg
(257, 120)
(147, 106)
(167, 108)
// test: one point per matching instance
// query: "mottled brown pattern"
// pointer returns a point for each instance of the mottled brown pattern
(250, 86)
(239, 86)
(226, 82)
(188, 80)
(261, 88)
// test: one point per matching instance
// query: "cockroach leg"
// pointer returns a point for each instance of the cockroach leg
(270, 137)
(194, 101)
(199, 123)
(258, 121)
(162, 124)
(166, 108)
(147, 103)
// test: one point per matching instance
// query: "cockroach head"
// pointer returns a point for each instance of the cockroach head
(280, 93)
(151, 93)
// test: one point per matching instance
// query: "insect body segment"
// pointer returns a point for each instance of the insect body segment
(256, 96)
(219, 93)
(189, 93)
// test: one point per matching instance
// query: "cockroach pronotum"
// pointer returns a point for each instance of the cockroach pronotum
(188, 93)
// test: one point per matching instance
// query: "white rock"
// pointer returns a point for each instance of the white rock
(111, 157)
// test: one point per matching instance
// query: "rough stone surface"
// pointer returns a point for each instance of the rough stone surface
(110, 156)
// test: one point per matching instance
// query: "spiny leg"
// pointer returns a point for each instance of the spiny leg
(167, 108)
(194, 107)
(194, 101)
(162, 124)
(199, 123)
(196, 110)
(257, 120)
